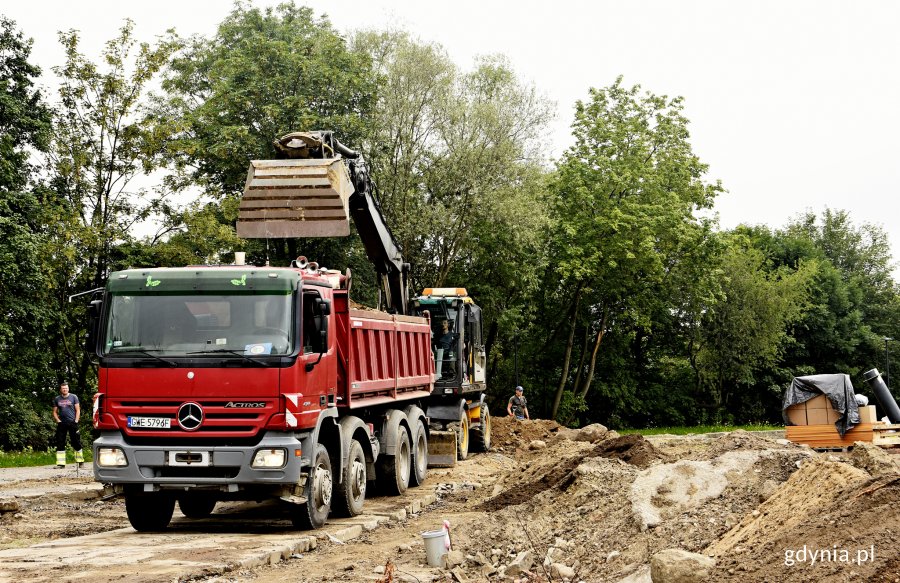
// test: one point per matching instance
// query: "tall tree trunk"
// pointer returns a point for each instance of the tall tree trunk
(590, 376)
(573, 316)
(584, 352)
(488, 344)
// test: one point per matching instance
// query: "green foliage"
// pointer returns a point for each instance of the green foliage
(606, 293)
(747, 330)
(28, 456)
(623, 201)
(25, 303)
(265, 73)
(24, 117)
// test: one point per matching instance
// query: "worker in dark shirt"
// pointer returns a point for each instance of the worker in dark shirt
(67, 412)
(518, 405)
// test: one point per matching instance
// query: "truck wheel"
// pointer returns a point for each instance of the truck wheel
(462, 436)
(481, 435)
(419, 455)
(314, 512)
(394, 473)
(149, 512)
(351, 492)
(196, 505)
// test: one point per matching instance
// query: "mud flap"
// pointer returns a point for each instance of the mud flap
(442, 449)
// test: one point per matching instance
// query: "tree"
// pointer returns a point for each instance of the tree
(24, 117)
(265, 73)
(25, 312)
(457, 159)
(98, 149)
(623, 200)
(747, 330)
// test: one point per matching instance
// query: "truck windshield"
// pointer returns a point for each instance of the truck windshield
(177, 325)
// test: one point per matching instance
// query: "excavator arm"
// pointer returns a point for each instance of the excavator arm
(312, 189)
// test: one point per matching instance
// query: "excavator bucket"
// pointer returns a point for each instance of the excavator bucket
(295, 198)
(442, 449)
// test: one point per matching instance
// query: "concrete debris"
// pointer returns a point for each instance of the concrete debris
(537, 444)
(680, 566)
(520, 564)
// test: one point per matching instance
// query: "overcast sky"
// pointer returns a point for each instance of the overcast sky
(794, 105)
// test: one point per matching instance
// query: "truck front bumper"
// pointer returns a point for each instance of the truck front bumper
(226, 468)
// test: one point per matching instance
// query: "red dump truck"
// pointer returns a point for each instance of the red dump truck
(244, 382)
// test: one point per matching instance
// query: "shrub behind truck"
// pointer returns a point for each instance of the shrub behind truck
(250, 383)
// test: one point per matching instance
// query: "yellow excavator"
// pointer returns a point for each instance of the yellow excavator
(313, 188)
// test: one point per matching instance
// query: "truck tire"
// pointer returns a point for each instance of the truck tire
(197, 504)
(314, 512)
(419, 455)
(394, 469)
(481, 435)
(351, 492)
(149, 512)
(462, 436)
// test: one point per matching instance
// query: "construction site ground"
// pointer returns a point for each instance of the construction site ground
(546, 504)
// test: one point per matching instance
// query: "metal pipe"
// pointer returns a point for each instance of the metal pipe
(883, 394)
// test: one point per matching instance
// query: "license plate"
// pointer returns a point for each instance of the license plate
(150, 422)
(189, 458)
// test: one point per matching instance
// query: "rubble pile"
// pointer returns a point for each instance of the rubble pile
(591, 505)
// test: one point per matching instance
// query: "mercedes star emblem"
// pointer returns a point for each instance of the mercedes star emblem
(190, 416)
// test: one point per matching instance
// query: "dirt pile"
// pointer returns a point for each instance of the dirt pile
(632, 449)
(603, 509)
(829, 521)
(508, 434)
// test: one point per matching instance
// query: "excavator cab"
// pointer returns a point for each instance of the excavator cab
(456, 339)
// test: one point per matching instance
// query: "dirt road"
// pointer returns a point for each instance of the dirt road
(546, 505)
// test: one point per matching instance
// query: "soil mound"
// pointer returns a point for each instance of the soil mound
(632, 449)
(547, 469)
(509, 434)
(829, 508)
(744, 440)
(818, 483)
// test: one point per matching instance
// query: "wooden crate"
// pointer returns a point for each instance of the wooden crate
(826, 436)
(886, 435)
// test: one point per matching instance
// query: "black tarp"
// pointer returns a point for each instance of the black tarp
(838, 389)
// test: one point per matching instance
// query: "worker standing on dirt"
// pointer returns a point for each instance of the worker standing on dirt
(67, 412)
(518, 405)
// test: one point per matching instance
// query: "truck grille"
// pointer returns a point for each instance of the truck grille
(219, 420)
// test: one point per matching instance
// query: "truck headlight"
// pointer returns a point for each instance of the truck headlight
(269, 458)
(111, 457)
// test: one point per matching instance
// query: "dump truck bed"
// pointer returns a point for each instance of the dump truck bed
(382, 357)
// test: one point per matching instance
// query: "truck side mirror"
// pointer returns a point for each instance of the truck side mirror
(93, 326)
(324, 306)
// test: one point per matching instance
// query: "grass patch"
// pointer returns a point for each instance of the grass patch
(27, 458)
(700, 429)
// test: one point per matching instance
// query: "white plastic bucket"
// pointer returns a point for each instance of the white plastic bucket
(435, 547)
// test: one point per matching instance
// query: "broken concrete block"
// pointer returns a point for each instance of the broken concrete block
(561, 570)
(680, 566)
(520, 564)
(454, 559)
